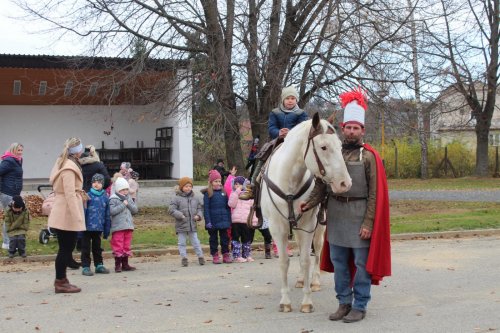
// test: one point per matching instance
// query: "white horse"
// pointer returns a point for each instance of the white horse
(310, 149)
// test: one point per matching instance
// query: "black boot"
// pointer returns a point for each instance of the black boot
(267, 248)
(126, 266)
(118, 264)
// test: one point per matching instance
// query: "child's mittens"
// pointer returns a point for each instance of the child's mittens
(208, 226)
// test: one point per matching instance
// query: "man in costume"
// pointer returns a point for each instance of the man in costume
(357, 240)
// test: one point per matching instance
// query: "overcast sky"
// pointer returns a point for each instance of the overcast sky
(22, 37)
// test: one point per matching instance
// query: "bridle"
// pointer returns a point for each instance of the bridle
(290, 198)
(312, 134)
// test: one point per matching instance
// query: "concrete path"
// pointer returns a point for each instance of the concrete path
(449, 285)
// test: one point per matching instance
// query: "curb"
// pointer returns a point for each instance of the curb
(173, 250)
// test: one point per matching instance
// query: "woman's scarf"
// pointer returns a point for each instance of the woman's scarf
(9, 154)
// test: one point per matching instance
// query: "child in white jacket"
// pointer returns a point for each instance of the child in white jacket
(241, 243)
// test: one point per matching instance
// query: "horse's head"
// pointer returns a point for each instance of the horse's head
(323, 155)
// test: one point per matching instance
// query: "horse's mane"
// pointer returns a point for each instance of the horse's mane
(301, 131)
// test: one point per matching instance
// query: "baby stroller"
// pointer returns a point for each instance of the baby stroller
(48, 200)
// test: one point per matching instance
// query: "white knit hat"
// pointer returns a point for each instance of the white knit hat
(121, 184)
(289, 91)
(354, 104)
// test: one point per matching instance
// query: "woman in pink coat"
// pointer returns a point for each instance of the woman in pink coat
(66, 217)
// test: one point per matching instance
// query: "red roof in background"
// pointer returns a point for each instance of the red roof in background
(84, 80)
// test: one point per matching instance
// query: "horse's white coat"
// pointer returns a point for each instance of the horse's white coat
(288, 169)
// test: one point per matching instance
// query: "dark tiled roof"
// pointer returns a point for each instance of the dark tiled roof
(77, 62)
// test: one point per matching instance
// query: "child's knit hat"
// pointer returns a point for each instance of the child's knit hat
(289, 91)
(18, 202)
(121, 184)
(239, 180)
(213, 175)
(98, 178)
(184, 181)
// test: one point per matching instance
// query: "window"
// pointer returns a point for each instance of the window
(42, 89)
(17, 88)
(495, 139)
(93, 89)
(68, 88)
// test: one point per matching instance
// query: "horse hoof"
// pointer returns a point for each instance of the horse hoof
(315, 287)
(299, 284)
(285, 308)
(307, 308)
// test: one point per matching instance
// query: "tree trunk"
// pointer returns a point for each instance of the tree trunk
(422, 137)
(482, 134)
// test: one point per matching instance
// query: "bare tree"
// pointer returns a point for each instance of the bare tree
(251, 48)
(466, 40)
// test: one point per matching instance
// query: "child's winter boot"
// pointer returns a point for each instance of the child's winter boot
(275, 250)
(201, 261)
(247, 252)
(267, 248)
(216, 259)
(118, 264)
(126, 266)
(184, 262)
(237, 252)
(226, 258)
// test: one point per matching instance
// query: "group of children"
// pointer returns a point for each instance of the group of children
(225, 217)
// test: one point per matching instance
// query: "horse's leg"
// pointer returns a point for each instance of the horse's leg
(305, 239)
(280, 235)
(300, 279)
(318, 246)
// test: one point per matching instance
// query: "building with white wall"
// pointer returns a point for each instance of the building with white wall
(106, 102)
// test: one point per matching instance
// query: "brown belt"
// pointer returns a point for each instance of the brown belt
(347, 199)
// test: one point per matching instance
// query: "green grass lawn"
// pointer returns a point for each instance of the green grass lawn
(155, 228)
(429, 216)
(465, 183)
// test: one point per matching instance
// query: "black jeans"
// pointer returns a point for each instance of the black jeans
(91, 240)
(67, 241)
(240, 232)
(214, 241)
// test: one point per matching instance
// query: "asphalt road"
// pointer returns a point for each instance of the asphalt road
(161, 196)
(448, 285)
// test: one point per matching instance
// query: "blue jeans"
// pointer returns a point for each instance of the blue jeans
(195, 242)
(362, 280)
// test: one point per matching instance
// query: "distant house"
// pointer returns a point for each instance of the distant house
(129, 112)
(452, 119)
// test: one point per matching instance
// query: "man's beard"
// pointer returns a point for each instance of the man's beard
(352, 143)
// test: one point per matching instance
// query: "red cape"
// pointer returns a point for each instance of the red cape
(379, 257)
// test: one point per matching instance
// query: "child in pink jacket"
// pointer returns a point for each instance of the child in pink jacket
(241, 243)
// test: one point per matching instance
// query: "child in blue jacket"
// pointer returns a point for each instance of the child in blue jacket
(217, 217)
(97, 222)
